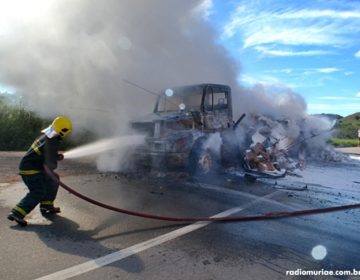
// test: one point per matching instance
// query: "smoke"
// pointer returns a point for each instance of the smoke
(214, 143)
(275, 100)
(73, 57)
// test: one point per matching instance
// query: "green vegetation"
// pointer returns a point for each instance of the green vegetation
(19, 128)
(336, 142)
(347, 128)
(346, 134)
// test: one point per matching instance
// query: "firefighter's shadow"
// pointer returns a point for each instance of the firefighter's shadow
(63, 235)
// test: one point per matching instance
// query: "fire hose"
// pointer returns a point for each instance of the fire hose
(259, 217)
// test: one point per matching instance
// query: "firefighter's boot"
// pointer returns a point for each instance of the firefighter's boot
(17, 217)
(49, 209)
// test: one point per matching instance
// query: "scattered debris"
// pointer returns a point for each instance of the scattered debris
(286, 144)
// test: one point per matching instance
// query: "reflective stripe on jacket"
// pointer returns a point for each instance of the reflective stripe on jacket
(42, 151)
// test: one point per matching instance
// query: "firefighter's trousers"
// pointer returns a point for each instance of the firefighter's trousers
(42, 189)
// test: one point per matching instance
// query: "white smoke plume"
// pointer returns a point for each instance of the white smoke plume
(72, 57)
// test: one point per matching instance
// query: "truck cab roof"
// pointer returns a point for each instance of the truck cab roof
(189, 97)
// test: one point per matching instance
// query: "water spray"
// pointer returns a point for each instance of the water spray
(104, 145)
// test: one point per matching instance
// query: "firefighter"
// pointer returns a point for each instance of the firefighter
(42, 189)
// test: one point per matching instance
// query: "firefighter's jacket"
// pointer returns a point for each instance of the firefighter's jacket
(44, 150)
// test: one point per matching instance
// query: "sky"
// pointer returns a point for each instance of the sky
(310, 46)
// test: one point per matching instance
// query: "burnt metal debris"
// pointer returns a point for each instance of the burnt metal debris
(192, 127)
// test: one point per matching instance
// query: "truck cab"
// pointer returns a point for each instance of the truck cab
(182, 119)
(209, 104)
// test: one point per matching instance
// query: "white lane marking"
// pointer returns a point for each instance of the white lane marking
(355, 157)
(124, 253)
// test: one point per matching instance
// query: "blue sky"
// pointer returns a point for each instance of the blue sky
(311, 46)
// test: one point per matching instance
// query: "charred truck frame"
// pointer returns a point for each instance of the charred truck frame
(191, 127)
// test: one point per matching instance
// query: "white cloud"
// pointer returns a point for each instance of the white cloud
(358, 94)
(285, 70)
(277, 52)
(309, 71)
(293, 36)
(307, 13)
(265, 24)
(357, 54)
(328, 70)
(338, 98)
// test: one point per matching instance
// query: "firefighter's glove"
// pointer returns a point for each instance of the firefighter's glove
(60, 157)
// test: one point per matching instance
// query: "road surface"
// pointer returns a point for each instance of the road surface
(87, 242)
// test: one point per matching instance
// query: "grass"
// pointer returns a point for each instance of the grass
(336, 142)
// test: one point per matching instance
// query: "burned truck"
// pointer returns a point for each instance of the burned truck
(191, 128)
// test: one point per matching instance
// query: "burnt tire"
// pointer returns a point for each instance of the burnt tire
(203, 162)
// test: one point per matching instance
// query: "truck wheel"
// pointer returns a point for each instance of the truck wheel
(202, 162)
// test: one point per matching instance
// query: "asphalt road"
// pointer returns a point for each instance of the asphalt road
(87, 242)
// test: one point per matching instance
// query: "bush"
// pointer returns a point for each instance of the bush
(19, 128)
(347, 127)
(336, 142)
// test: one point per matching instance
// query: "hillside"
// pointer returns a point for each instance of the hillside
(347, 127)
(329, 116)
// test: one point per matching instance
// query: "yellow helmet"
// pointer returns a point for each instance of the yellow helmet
(62, 125)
